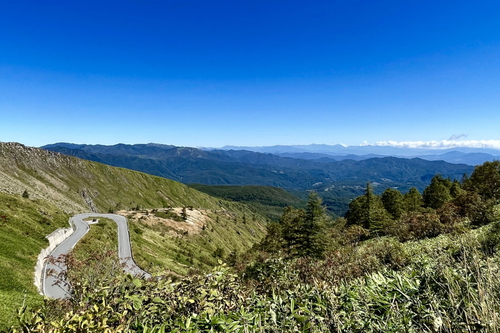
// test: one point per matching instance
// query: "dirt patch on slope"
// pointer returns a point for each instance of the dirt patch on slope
(180, 220)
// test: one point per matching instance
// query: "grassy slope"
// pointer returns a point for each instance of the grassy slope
(102, 236)
(72, 183)
(270, 201)
(24, 223)
(59, 186)
(157, 250)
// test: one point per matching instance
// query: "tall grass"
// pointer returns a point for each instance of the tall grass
(447, 284)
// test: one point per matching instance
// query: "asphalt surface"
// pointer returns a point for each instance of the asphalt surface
(62, 290)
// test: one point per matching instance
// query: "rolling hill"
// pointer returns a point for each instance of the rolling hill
(40, 189)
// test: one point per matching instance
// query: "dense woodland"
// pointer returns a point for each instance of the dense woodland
(398, 262)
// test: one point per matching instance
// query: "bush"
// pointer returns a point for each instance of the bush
(423, 224)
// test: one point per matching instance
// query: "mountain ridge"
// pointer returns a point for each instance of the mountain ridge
(458, 155)
(338, 181)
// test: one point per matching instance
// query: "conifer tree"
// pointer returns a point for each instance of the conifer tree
(438, 192)
(292, 222)
(412, 200)
(316, 241)
(304, 231)
(368, 211)
(456, 189)
(485, 180)
(393, 202)
(357, 213)
(273, 242)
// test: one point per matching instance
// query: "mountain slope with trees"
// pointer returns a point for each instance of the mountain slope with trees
(269, 201)
(337, 182)
(402, 263)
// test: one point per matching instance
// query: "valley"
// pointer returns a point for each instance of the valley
(337, 182)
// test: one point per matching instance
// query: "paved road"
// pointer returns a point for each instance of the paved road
(81, 228)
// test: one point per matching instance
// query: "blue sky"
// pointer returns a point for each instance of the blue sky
(214, 73)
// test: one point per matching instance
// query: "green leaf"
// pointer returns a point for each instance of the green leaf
(137, 283)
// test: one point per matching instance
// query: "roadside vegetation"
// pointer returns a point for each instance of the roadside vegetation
(102, 237)
(24, 223)
(431, 266)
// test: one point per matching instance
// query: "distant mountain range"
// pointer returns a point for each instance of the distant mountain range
(337, 181)
(465, 155)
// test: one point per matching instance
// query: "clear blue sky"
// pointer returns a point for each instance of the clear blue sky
(211, 73)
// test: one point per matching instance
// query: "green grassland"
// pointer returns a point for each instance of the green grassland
(57, 186)
(24, 223)
(161, 249)
(270, 201)
(102, 236)
(157, 249)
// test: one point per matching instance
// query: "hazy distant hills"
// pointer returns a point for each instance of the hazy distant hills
(241, 167)
(337, 181)
(465, 155)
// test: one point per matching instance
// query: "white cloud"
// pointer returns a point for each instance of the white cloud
(444, 144)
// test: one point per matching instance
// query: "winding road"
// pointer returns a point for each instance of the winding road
(61, 290)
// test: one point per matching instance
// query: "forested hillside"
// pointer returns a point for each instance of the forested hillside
(337, 182)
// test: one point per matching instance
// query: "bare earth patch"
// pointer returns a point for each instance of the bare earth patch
(194, 223)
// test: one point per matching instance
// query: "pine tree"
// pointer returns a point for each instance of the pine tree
(304, 231)
(273, 242)
(316, 218)
(412, 200)
(437, 193)
(485, 180)
(368, 211)
(292, 222)
(456, 189)
(357, 213)
(393, 202)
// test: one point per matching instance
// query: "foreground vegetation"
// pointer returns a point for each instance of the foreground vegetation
(446, 284)
(435, 272)
(24, 223)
